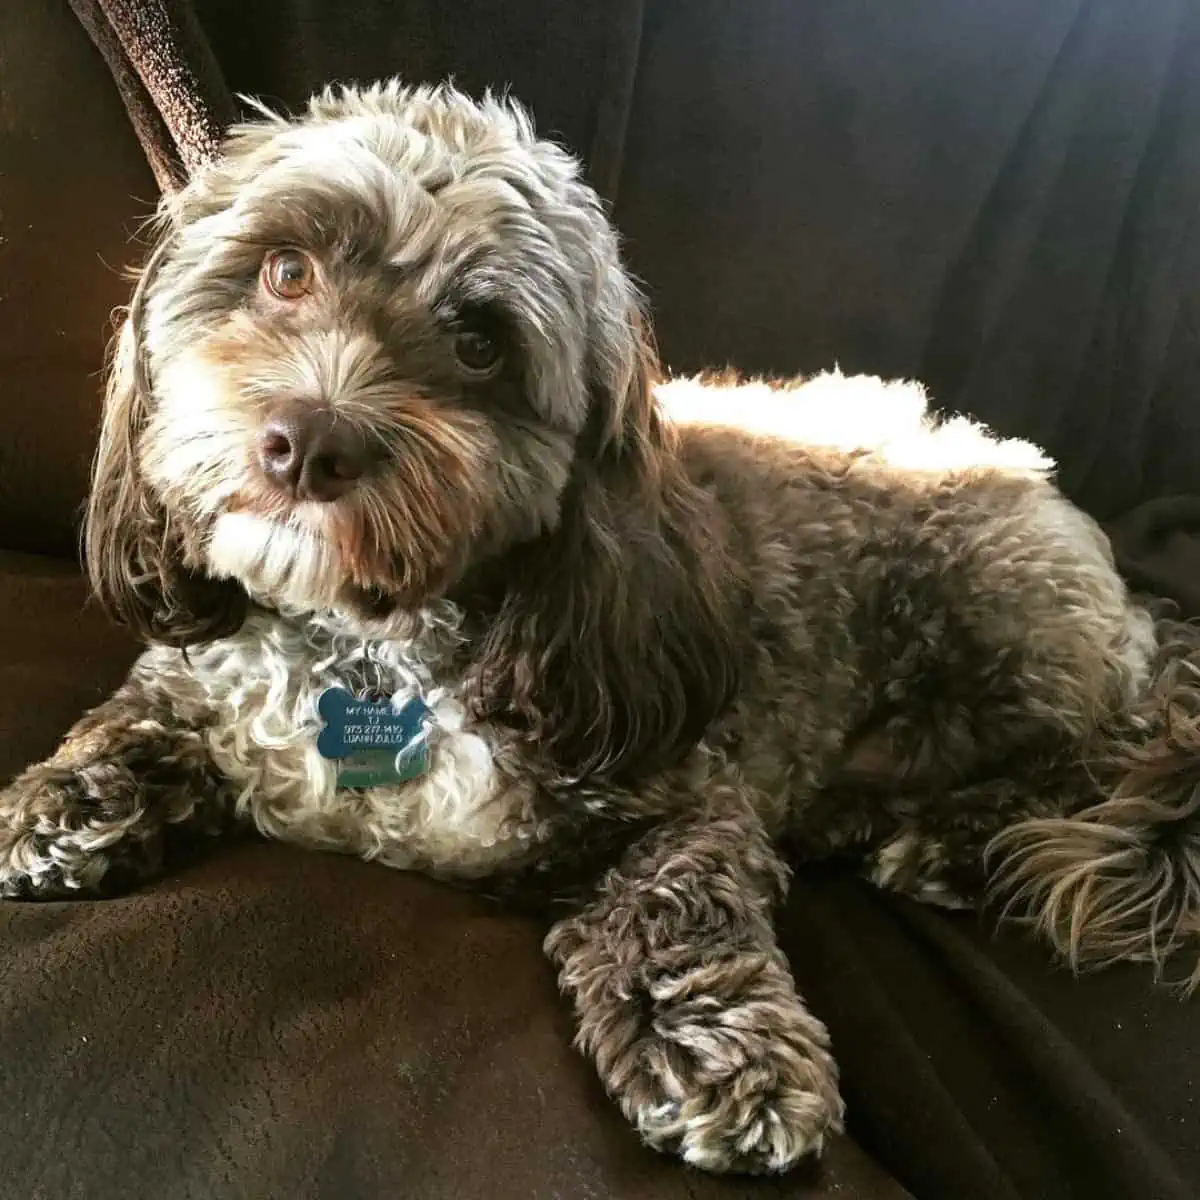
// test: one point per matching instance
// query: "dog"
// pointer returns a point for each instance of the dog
(384, 416)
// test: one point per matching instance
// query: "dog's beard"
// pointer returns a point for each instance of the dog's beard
(299, 571)
(278, 562)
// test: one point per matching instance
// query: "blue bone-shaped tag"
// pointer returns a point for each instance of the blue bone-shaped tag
(371, 742)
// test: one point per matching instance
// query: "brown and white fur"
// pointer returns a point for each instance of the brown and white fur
(672, 632)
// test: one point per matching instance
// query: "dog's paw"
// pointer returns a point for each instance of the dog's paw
(752, 1124)
(734, 1074)
(918, 866)
(62, 831)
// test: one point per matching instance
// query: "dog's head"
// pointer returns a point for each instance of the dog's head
(375, 349)
(359, 360)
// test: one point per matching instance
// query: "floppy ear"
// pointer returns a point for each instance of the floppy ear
(136, 563)
(615, 644)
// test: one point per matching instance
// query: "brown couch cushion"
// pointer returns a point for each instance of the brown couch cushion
(58, 655)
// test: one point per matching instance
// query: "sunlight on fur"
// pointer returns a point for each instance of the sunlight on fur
(857, 412)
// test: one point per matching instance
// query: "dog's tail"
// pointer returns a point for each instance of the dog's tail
(1120, 879)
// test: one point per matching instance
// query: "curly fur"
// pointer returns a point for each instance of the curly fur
(1118, 879)
(670, 631)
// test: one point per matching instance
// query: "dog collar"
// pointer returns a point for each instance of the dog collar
(372, 741)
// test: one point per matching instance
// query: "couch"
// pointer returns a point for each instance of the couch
(998, 198)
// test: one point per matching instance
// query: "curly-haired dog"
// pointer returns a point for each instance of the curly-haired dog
(384, 416)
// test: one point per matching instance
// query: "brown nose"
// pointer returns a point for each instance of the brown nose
(311, 454)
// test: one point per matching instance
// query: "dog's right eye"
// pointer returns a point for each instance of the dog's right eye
(288, 274)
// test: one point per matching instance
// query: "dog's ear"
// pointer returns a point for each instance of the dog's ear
(136, 563)
(622, 369)
(616, 641)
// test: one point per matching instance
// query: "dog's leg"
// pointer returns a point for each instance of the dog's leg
(96, 817)
(937, 852)
(685, 1002)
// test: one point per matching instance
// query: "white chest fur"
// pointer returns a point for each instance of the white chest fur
(465, 815)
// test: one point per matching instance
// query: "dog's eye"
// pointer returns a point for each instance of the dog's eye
(477, 353)
(288, 274)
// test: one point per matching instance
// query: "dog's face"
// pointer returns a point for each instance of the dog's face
(387, 354)
(363, 358)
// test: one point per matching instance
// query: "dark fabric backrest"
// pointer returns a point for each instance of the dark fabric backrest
(74, 186)
(1000, 199)
(997, 198)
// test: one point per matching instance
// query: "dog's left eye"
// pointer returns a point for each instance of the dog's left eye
(288, 274)
(477, 352)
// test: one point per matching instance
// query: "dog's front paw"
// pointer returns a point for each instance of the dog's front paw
(734, 1073)
(70, 832)
(713, 1057)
